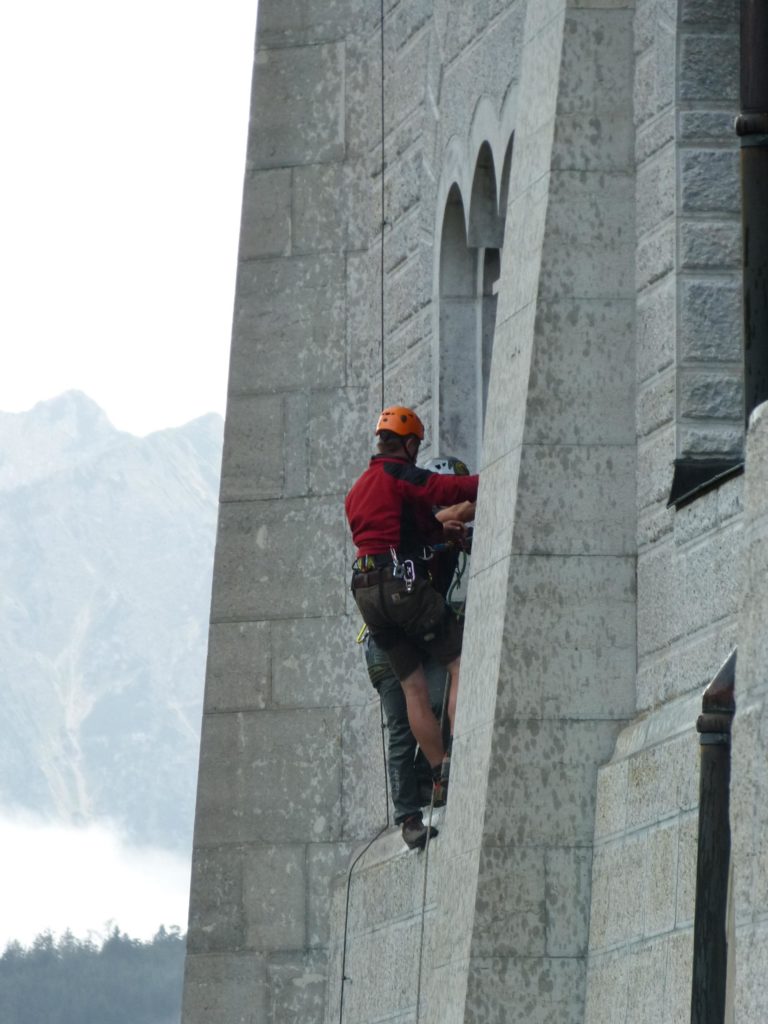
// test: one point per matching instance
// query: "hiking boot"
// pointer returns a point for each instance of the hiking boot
(414, 832)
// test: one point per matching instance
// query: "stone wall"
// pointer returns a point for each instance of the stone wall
(749, 777)
(586, 144)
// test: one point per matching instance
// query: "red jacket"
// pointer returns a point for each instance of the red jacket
(391, 505)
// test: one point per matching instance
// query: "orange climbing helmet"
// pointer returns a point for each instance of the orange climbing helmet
(399, 420)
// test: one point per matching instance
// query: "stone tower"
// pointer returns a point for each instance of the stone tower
(524, 223)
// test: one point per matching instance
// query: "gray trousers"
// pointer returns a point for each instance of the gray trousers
(410, 778)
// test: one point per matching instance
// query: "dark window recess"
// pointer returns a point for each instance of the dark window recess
(710, 939)
(694, 477)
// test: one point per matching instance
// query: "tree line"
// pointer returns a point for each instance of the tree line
(74, 981)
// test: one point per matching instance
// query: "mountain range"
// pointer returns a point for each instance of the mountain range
(105, 561)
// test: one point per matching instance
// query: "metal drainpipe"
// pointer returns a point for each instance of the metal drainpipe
(710, 946)
(752, 128)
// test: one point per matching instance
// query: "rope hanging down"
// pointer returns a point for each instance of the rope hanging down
(383, 218)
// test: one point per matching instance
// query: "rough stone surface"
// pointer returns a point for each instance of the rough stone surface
(561, 886)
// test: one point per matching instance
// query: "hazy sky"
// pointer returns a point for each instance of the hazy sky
(56, 877)
(124, 129)
(123, 132)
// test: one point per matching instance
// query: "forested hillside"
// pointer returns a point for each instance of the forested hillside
(69, 981)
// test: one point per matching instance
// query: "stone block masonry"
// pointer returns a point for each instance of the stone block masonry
(561, 886)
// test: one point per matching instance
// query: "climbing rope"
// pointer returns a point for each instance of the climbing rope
(383, 218)
(352, 866)
(446, 688)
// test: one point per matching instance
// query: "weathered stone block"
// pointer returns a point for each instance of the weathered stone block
(575, 675)
(326, 863)
(711, 14)
(263, 544)
(645, 91)
(406, 292)
(706, 126)
(217, 911)
(657, 600)
(656, 321)
(265, 227)
(709, 181)
(532, 990)
(296, 455)
(509, 914)
(655, 403)
(662, 879)
(593, 141)
(655, 255)
(274, 896)
(611, 809)
(654, 135)
(707, 395)
(304, 122)
(285, 781)
(581, 360)
(297, 988)
(231, 988)
(645, 996)
(544, 780)
(750, 992)
(655, 460)
(596, 68)
(238, 676)
(317, 209)
(288, 324)
(334, 465)
(677, 980)
(709, 67)
(606, 988)
(587, 250)
(710, 320)
(687, 856)
(316, 663)
(599, 482)
(725, 440)
(655, 191)
(293, 22)
(507, 390)
(710, 244)
(390, 990)
(364, 808)
(486, 613)
(252, 463)
(568, 878)
(644, 26)
(363, 321)
(653, 524)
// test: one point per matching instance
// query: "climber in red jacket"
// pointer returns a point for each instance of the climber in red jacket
(390, 513)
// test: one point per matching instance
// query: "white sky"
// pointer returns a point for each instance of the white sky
(86, 879)
(123, 130)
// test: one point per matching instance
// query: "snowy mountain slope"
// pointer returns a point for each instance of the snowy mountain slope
(105, 564)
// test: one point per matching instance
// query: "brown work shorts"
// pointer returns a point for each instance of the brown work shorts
(408, 626)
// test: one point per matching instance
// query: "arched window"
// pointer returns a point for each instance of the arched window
(470, 261)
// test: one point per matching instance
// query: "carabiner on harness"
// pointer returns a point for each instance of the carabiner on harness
(403, 570)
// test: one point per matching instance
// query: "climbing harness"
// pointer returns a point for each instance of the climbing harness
(403, 570)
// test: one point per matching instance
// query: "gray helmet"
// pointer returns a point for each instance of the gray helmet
(448, 466)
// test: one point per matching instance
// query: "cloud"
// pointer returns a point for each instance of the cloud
(86, 879)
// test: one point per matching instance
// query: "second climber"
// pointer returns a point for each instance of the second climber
(390, 513)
